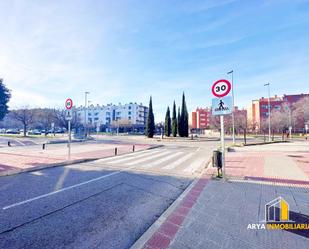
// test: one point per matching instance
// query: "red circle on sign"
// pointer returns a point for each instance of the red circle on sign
(221, 93)
(69, 104)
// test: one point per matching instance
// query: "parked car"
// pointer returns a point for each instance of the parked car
(44, 132)
(34, 132)
(59, 131)
(12, 131)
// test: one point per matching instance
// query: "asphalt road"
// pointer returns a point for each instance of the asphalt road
(107, 203)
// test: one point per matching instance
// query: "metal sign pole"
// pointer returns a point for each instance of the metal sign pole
(222, 145)
(69, 143)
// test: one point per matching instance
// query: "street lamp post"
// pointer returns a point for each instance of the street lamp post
(86, 110)
(233, 117)
(269, 128)
(290, 119)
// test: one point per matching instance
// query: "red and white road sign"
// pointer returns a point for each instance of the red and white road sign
(221, 88)
(69, 104)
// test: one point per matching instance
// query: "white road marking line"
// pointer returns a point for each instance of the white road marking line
(178, 161)
(162, 160)
(19, 142)
(63, 189)
(132, 157)
(195, 165)
(148, 158)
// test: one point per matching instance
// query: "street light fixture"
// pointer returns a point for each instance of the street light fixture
(233, 116)
(269, 129)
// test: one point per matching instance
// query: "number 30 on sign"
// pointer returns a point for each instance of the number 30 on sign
(221, 88)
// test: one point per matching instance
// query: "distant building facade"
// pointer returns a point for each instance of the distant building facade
(258, 109)
(121, 115)
(200, 119)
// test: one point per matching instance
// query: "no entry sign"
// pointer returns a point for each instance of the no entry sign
(221, 88)
(69, 104)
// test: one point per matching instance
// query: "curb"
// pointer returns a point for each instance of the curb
(64, 163)
(169, 213)
(263, 143)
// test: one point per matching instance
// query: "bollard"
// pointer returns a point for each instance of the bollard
(133, 149)
(116, 151)
(217, 162)
(9, 143)
(43, 146)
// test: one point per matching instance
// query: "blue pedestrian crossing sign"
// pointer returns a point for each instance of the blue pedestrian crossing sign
(222, 106)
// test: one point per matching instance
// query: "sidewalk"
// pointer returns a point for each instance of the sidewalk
(214, 213)
(19, 159)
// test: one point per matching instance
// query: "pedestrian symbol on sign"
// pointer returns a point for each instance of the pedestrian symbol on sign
(222, 106)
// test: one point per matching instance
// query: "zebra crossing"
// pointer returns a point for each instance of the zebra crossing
(171, 160)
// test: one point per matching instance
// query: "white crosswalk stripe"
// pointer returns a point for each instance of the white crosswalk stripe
(164, 159)
(133, 157)
(126, 157)
(185, 161)
(178, 162)
(195, 165)
(163, 153)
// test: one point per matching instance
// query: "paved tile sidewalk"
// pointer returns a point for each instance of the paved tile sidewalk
(223, 211)
(216, 213)
(278, 165)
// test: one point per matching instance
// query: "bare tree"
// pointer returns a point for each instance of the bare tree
(60, 118)
(280, 120)
(123, 124)
(241, 123)
(215, 122)
(44, 118)
(301, 112)
(264, 124)
(25, 116)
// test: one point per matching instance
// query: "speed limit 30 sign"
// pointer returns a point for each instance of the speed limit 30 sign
(221, 88)
(69, 104)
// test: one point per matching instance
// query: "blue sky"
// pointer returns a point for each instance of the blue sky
(126, 50)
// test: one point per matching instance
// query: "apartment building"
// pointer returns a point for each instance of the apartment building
(258, 109)
(200, 119)
(131, 114)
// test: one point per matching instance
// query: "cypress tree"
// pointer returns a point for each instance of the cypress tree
(167, 124)
(174, 121)
(150, 125)
(184, 118)
(178, 122)
(5, 96)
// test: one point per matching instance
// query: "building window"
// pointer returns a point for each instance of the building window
(129, 113)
